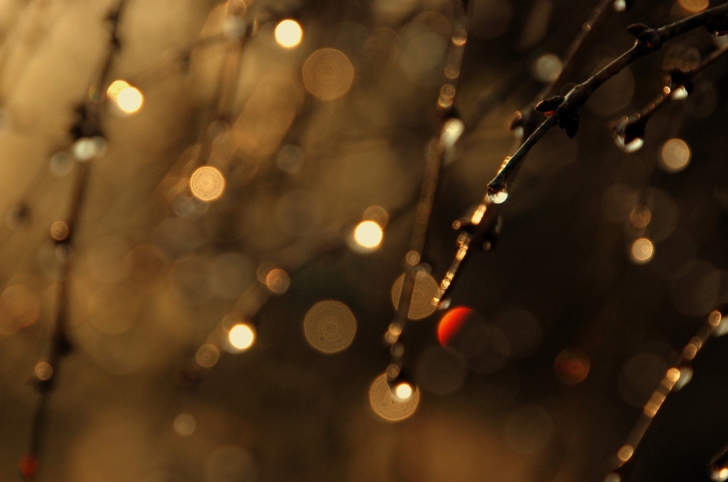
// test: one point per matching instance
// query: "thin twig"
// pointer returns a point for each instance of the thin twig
(715, 326)
(433, 165)
(60, 344)
(587, 28)
(650, 41)
(678, 81)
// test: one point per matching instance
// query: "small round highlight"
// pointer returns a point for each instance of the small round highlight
(719, 473)
(87, 148)
(452, 129)
(184, 424)
(288, 33)
(625, 453)
(207, 355)
(112, 92)
(277, 281)
(385, 404)
(694, 6)
(403, 391)
(43, 371)
(328, 74)
(207, 183)
(367, 236)
(241, 336)
(127, 98)
(498, 197)
(329, 326)
(59, 231)
(674, 155)
(572, 366)
(19, 308)
(424, 292)
(547, 67)
(642, 251)
(640, 216)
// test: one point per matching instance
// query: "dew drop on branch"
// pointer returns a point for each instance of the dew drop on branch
(498, 197)
(629, 147)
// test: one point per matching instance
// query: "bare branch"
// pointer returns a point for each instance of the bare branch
(648, 41)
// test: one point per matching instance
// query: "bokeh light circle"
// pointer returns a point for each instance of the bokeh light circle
(452, 323)
(288, 33)
(386, 405)
(674, 155)
(329, 326)
(328, 74)
(207, 183)
(241, 336)
(425, 289)
(368, 235)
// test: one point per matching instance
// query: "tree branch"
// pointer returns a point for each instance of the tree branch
(648, 41)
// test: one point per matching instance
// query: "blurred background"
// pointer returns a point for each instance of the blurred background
(227, 305)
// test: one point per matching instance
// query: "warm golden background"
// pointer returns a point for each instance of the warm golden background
(578, 325)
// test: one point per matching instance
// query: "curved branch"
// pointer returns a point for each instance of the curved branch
(648, 41)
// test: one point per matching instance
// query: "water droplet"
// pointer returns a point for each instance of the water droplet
(632, 146)
(686, 374)
(625, 453)
(87, 148)
(718, 473)
(613, 477)
(452, 129)
(498, 197)
(722, 327)
(719, 466)
(620, 5)
(680, 93)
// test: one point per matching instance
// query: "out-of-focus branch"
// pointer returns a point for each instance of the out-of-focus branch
(674, 379)
(46, 372)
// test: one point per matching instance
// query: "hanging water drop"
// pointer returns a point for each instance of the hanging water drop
(633, 145)
(629, 133)
(620, 5)
(680, 93)
(722, 328)
(686, 374)
(719, 473)
(498, 197)
(719, 466)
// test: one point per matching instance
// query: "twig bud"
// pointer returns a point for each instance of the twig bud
(548, 106)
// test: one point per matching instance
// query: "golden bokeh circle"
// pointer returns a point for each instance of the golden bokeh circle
(288, 33)
(328, 74)
(694, 6)
(386, 405)
(207, 355)
(207, 183)
(424, 292)
(19, 308)
(642, 251)
(329, 326)
(674, 155)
